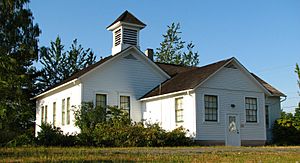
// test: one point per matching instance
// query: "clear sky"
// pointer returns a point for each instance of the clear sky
(264, 35)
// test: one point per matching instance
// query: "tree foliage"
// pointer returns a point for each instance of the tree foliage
(18, 51)
(297, 71)
(59, 64)
(286, 130)
(171, 49)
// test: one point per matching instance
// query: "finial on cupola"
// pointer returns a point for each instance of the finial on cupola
(125, 31)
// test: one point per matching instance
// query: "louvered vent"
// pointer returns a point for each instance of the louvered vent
(130, 36)
(231, 66)
(118, 37)
(130, 56)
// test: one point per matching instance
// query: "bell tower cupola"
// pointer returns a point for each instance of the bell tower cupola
(125, 31)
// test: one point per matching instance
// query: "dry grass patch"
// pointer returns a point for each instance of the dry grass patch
(145, 154)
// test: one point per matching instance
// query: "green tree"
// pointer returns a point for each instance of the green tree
(18, 51)
(59, 64)
(171, 49)
(297, 71)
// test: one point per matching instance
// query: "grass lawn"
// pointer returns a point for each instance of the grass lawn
(145, 154)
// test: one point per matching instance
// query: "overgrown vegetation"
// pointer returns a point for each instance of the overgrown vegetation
(286, 130)
(111, 127)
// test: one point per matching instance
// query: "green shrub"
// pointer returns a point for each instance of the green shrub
(113, 128)
(25, 139)
(53, 136)
(285, 132)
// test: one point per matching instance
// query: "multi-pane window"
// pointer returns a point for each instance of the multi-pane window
(63, 113)
(125, 103)
(46, 113)
(68, 111)
(251, 109)
(179, 109)
(211, 108)
(54, 114)
(101, 100)
(42, 114)
(267, 116)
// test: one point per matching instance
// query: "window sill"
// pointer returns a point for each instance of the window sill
(211, 122)
(251, 123)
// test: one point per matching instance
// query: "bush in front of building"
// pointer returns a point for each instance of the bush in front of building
(113, 128)
(286, 130)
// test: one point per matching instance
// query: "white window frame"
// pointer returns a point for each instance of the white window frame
(68, 111)
(257, 111)
(178, 97)
(100, 92)
(54, 113)
(203, 106)
(130, 100)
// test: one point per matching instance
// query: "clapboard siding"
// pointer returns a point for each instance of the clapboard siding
(231, 86)
(126, 75)
(232, 79)
(73, 91)
(274, 113)
(162, 111)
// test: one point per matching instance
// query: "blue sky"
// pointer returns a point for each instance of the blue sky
(264, 35)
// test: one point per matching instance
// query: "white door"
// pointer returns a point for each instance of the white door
(233, 130)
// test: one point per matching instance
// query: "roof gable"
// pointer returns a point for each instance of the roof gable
(186, 78)
(100, 63)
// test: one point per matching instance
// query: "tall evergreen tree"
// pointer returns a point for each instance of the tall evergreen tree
(297, 71)
(59, 64)
(18, 51)
(170, 50)
(297, 110)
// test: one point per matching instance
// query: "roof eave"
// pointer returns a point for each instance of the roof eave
(119, 23)
(164, 95)
(55, 88)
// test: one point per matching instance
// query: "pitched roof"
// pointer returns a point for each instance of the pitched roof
(173, 69)
(81, 72)
(128, 18)
(270, 88)
(184, 78)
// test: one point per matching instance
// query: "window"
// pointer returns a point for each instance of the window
(54, 114)
(251, 109)
(46, 110)
(267, 116)
(68, 110)
(125, 103)
(178, 109)
(42, 114)
(211, 108)
(101, 100)
(63, 114)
